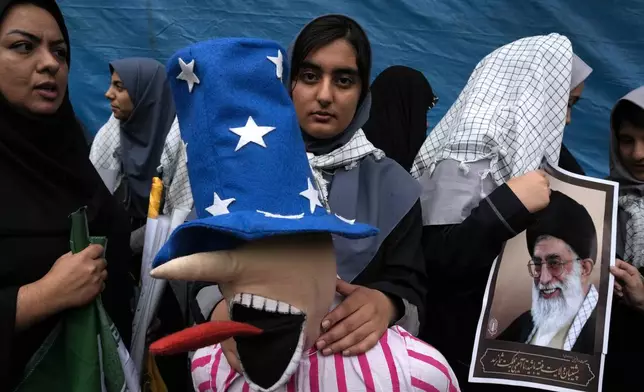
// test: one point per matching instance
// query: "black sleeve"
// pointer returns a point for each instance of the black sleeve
(403, 273)
(471, 246)
(8, 304)
(459, 258)
(568, 162)
(620, 239)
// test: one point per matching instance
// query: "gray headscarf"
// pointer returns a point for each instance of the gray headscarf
(630, 244)
(374, 191)
(143, 135)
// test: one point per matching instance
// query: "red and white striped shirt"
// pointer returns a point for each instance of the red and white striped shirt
(398, 363)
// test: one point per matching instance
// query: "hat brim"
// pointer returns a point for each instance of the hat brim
(228, 231)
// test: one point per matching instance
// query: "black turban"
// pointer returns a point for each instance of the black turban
(568, 221)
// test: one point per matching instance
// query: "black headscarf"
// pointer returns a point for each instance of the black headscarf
(400, 99)
(46, 153)
(143, 135)
(47, 175)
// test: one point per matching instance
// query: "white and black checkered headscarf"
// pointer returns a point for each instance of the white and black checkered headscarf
(510, 115)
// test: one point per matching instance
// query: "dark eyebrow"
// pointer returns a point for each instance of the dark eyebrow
(310, 65)
(338, 71)
(346, 71)
(33, 37)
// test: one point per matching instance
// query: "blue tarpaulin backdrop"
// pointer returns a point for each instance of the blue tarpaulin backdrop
(443, 38)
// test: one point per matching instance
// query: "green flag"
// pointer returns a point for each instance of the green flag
(81, 354)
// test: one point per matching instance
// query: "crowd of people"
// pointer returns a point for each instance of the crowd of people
(444, 202)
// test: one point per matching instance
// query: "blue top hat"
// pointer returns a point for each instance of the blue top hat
(247, 163)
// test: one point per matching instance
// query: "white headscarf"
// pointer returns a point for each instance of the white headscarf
(580, 71)
(511, 114)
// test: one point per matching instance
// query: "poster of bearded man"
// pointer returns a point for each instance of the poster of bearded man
(545, 317)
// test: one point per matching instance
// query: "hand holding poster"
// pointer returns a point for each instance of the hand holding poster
(546, 311)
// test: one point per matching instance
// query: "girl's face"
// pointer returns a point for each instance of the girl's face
(327, 89)
(120, 101)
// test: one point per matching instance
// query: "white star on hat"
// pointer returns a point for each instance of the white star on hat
(279, 64)
(219, 207)
(251, 133)
(278, 216)
(345, 220)
(312, 194)
(188, 73)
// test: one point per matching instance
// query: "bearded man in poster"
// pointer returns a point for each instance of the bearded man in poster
(563, 248)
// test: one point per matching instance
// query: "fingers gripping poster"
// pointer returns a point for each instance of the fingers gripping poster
(545, 316)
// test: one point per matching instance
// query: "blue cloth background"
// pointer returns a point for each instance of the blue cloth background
(443, 38)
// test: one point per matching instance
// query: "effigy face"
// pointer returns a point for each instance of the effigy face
(282, 285)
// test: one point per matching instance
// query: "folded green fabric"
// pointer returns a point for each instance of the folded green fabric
(81, 354)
